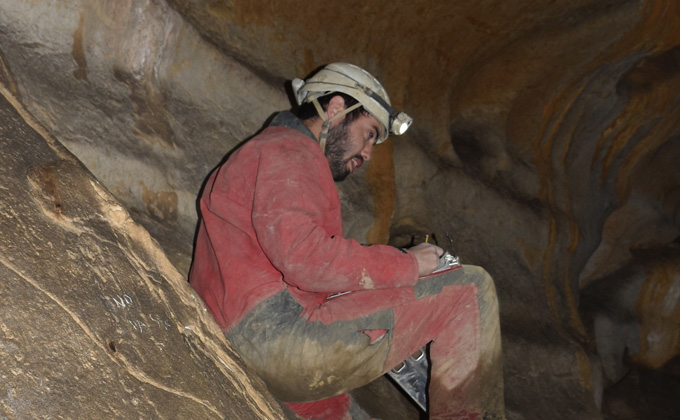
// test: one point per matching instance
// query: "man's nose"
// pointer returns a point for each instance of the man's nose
(367, 152)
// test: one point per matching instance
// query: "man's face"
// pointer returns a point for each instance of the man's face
(349, 145)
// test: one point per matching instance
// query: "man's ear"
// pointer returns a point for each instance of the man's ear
(335, 105)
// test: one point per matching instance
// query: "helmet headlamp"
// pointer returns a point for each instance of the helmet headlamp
(359, 84)
(399, 123)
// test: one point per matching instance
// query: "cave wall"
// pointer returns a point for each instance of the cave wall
(137, 95)
(545, 143)
(95, 321)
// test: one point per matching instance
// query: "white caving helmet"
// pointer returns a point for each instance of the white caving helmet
(360, 85)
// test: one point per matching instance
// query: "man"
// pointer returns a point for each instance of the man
(315, 314)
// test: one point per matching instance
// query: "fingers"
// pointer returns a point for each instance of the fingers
(428, 246)
(431, 248)
(427, 256)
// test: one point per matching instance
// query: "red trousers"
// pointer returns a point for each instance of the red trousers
(311, 365)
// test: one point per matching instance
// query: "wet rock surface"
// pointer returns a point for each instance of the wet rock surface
(95, 321)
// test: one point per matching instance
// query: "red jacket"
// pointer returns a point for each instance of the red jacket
(271, 221)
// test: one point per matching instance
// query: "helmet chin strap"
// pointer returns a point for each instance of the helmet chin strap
(323, 137)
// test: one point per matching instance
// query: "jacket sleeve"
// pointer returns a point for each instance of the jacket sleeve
(294, 196)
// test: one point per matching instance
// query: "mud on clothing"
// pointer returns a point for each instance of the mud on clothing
(270, 259)
(271, 222)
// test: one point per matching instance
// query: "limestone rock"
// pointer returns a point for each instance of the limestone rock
(151, 106)
(95, 322)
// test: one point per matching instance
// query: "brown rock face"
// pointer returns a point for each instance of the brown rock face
(545, 143)
(95, 322)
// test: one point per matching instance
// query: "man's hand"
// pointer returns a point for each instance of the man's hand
(427, 256)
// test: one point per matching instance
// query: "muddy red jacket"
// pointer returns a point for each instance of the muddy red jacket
(270, 220)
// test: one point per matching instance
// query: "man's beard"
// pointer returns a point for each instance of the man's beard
(337, 147)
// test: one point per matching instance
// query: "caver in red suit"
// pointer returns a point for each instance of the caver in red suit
(270, 261)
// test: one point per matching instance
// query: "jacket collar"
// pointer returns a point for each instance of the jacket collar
(290, 120)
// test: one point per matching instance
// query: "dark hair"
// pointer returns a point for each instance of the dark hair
(307, 111)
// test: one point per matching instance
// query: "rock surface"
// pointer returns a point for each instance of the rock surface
(546, 143)
(95, 321)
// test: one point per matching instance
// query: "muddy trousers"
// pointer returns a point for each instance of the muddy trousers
(311, 365)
